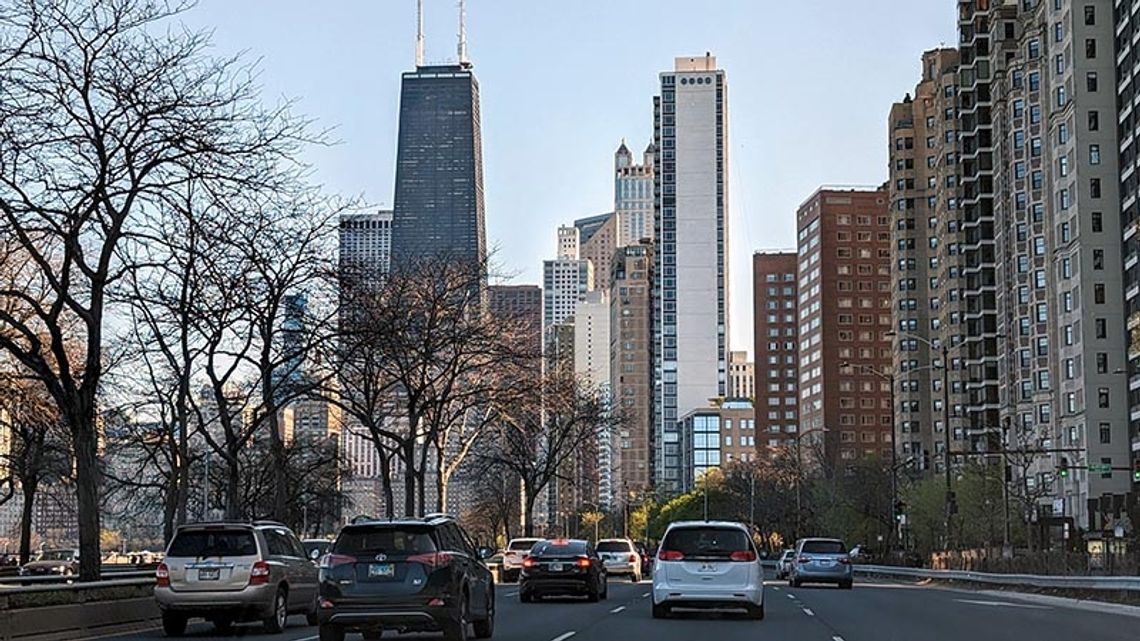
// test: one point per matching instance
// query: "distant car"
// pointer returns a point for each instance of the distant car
(316, 548)
(53, 562)
(820, 560)
(411, 575)
(646, 558)
(707, 564)
(784, 564)
(563, 567)
(513, 557)
(235, 571)
(621, 558)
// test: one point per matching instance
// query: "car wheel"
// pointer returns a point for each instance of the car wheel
(845, 585)
(593, 594)
(525, 597)
(276, 621)
(605, 590)
(485, 628)
(660, 611)
(756, 612)
(311, 617)
(635, 577)
(173, 624)
(331, 633)
(795, 583)
(457, 630)
(223, 625)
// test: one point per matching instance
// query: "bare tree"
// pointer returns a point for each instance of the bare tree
(103, 113)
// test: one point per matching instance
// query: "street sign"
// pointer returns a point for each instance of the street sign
(1100, 467)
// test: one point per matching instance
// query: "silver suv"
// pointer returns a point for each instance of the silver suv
(235, 571)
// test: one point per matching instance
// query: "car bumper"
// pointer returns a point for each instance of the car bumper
(622, 568)
(411, 616)
(556, 585)
(255, 601)
(694, 597)
(838, 574)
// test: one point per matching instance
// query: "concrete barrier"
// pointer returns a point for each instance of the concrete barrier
(67, 612)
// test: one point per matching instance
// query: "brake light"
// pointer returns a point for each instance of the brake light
(330, 561)
(259, 573)
(845, 561)
(583, 562)
(162, 576)
(633, 558)
(746, 555)
(528, 562)
(432, 559)
(670, 555)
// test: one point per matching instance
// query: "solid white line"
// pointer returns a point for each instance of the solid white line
(563, 637)
(617, 609)
(1003, 604)
(809, 612)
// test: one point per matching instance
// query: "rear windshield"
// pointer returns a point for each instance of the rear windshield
(522, 546)
(567, 548)
(613, 546)
(202, 543)
(824, 547)
(789, 554)
(57, 555)
(386, 540)
(706, 542)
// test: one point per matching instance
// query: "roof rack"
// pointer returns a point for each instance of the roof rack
(437, 515)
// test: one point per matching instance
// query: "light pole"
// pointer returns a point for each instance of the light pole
(890, 378)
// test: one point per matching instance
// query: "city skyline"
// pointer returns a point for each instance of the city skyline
(345, 73)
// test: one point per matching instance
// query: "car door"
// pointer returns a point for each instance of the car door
(281, 554)
(481, 580)
(452, 542)
(306, 571)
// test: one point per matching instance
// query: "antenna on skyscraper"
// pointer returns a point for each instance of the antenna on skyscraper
(462, 32)
(419, 33)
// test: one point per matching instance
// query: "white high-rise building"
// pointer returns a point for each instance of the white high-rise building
(691, 307)
(592, 338)
(366, 241)
(633, 195)
(564, 282)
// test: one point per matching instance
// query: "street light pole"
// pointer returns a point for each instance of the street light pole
(950, 504)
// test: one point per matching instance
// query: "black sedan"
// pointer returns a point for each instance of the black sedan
(562, 567)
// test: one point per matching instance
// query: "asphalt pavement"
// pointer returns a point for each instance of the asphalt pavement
(878, 611)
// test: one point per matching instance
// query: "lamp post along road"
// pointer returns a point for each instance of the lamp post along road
(890, 378)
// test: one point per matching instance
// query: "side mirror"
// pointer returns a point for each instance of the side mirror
(315, 554)
(486, 553)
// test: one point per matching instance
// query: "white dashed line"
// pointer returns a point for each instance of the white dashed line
(837, 638)
(645, 596)
(617, 609)
(808, 612)
(776, 589)
(515, 593)
(563, 637)
(791, 596)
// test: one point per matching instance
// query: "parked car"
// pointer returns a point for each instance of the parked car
(784, 564)
(316, 548)
(621, 558)
(235, 571)
(410, 575)
(707, 564)
(53, 562)
(819, 560)
(513, 556)
(563, 567)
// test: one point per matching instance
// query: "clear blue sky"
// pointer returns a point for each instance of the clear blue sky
(810, 86)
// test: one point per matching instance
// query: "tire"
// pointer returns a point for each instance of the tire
(635, 578)
(173, 624)
(331, 633)
(593, 595)
(756, 612)
(525, 597)
(795, 583)
(275, 622)
(311, 618)
(223, 625)
(605, 591)
(660, 611)
(845, 585)
(485, 628)
(457, 630)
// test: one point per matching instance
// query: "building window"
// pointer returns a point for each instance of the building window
(1094, 187)
(1102, 397)
(1090, 48)
(1094, 154)
(1098, 259)
(1105, 434)
(1101, 363)
(1101, 328)
(1091, 81)
(1094, 120)
(1098, 293)
(1090, 15)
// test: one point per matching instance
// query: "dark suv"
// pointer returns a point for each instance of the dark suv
(407, 575)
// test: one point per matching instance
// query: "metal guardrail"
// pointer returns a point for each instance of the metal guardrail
(9, 590)
(1095, 583)
(128, 572)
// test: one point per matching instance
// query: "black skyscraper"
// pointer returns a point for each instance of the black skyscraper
(439, 167)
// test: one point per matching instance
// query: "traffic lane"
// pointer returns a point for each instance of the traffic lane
(887, 611)
(554, 618)
(200, 630)
(783, 619)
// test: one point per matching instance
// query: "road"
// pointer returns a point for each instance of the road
(870, 612)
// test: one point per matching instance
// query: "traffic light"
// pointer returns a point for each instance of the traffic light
(1136, 471)
(1064, 470)
(900, 509)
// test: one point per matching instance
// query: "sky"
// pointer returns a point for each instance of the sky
(811, 83)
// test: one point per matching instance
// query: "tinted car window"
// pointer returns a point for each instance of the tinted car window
(569, 548)
(824, 547)
(198, 543)
(388, 540)
(706, 542)
(613, 546)
(521, 546)
(57, 555)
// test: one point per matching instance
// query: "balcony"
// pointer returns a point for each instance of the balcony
(1134, 321)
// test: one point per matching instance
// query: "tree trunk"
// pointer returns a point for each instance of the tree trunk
(386, 482)
(277, 452)
(27, 512)
(233, 486)
(441, 479)
(528, 517)
(84, 437)
(410, 477)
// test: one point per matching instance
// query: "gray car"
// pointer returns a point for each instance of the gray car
(821, 561)
(234, 571)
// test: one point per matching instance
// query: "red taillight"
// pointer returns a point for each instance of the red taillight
(432, 559)
(330, 561)
(528, 562)
(670, 555)
(259, 573)
(326, 604)
(436, 603)
(162, 576)
(746, 555)
(583, 562)
(845, 561)
(633, 558)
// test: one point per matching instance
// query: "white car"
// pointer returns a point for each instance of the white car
(513, 557)
(707, 564)
(620, 558)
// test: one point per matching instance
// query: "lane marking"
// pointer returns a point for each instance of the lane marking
(791, 596)
(563, 637)
(808, 612)
(515, 593)
(776, 589)
(617, 609)
(1004, 604)
(645, 596)
(837, 638)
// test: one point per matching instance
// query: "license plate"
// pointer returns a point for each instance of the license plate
(208, 575)
(555, 567)
(827, 562)
(708, 567)
(381, 570)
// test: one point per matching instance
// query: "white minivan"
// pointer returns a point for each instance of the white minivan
(707, 564)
